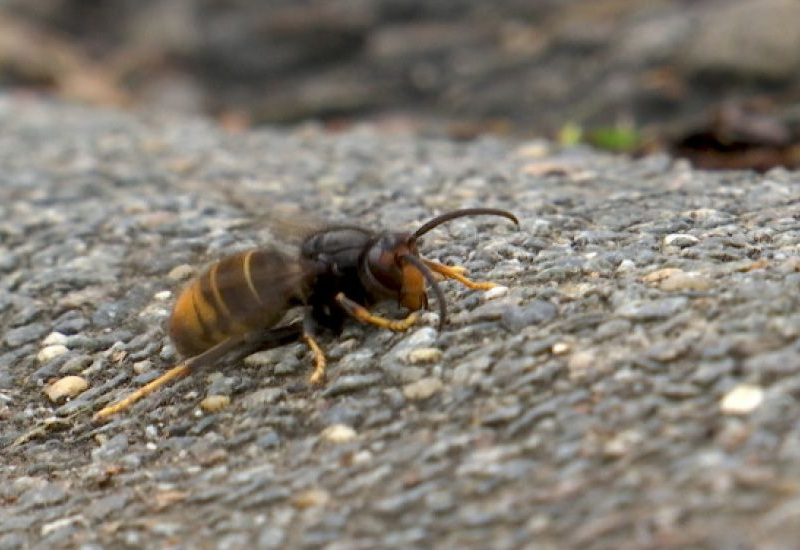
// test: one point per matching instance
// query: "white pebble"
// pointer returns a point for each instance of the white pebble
(141, 367)
(681, 240)
(742, 399)
(55, 339)
(338, 433)
(626, 265)
(163, 295)
(362, 457)
(51, 352)
(560, 348)
(496, 292)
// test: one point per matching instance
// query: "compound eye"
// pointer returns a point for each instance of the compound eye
(385, 267)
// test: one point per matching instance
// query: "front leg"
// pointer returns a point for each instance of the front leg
(457, 273)
(362, 314)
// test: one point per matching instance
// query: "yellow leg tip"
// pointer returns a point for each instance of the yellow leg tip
(144, 391)
(362, 314)
(456, 272)
(485, 286)
(403, 324)
(318, 376)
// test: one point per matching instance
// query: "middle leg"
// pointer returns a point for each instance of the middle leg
(363, 314)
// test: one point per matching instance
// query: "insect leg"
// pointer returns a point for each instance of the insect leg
(362, 314)
(248, 342)
(144, 391)
(457, 273)
(318, 376)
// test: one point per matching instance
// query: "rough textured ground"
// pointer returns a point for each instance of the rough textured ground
(636, 387)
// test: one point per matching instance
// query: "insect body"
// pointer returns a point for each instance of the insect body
(339, 272)
(239, 294)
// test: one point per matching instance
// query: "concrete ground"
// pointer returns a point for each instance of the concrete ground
(634, 386)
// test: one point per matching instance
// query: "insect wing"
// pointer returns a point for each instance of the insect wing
(256, 288)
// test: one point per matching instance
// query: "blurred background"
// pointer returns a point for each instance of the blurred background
(716, 81)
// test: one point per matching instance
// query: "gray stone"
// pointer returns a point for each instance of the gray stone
(515, 318)
(639, 310)
(18, 336)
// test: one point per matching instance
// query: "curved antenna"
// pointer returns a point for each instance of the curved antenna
(446, 217)
(426, 272)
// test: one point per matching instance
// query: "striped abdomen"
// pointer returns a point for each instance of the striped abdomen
(241, 293)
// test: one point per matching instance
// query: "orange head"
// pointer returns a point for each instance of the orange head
(391, 265)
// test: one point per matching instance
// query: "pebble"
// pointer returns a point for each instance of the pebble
(111, 449)
(62, 523)
(271, 537)
(351, 383)
(660, 274)
(422, 389)
(471, 372)
(141, 367)
(742, 399)
(76, 365)
(180, 272)
(338, 433)
(642, 310)
(409, 374)
(790, 265)
(269, 440)
(263, 359)
(311, 498)
(626, 266)
(71, 322)
(215, 403)
(362, 457)
(773, 364)
(66, 387)
(55, 338)
(612, 328)
(622, 443)
(680, 240)
(262, 398)
(683, 280)
(15, 337)
(397, 359)
(49, 353)
(560, 348)
(424, 356)
(496, 292)
(581, 363)
(50, 494)
(515, 318)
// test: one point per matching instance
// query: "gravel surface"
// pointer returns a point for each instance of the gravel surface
(636, 385)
